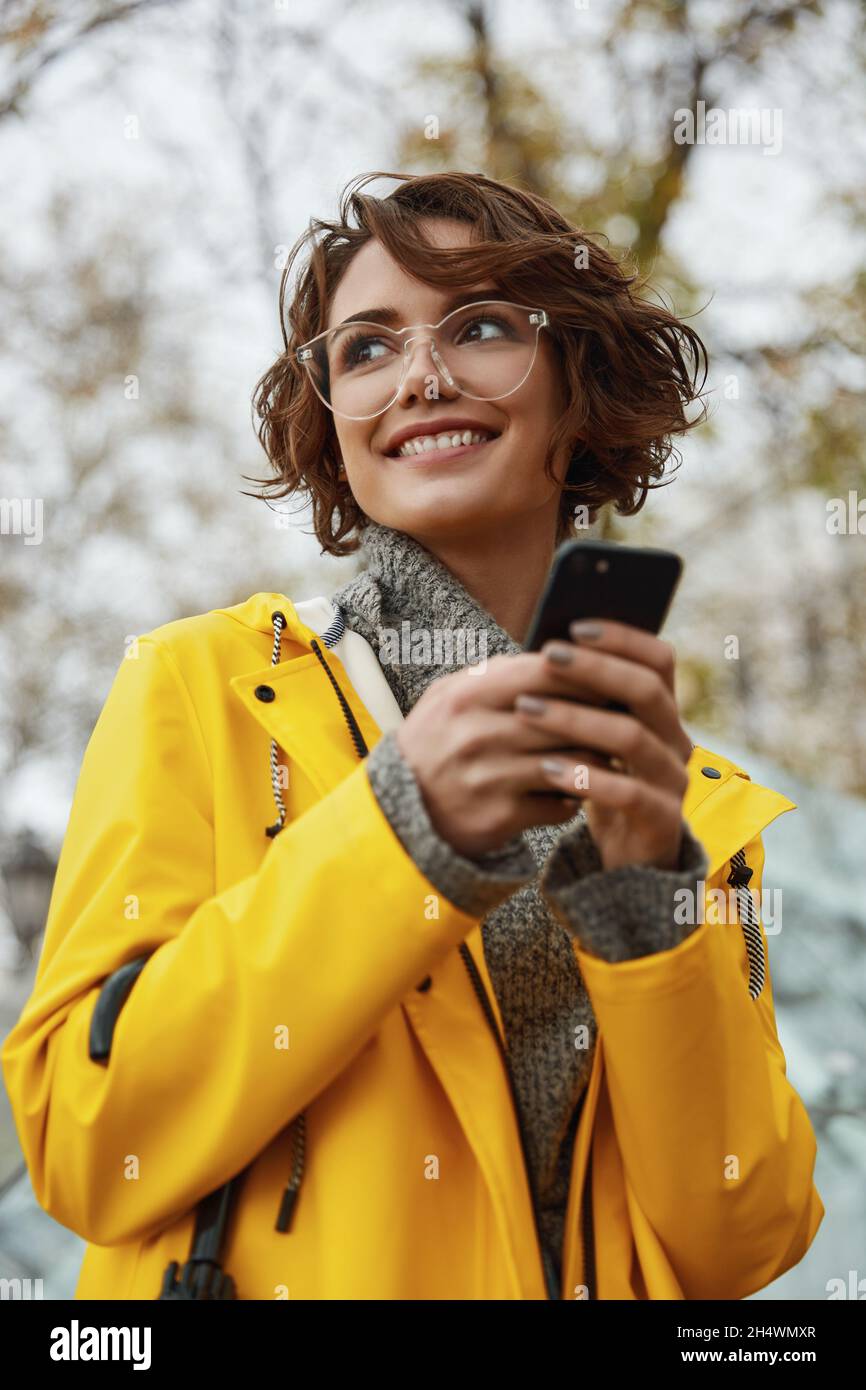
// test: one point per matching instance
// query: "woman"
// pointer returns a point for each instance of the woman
(448, 1025)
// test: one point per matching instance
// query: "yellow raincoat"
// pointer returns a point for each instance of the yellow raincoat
(318, 971)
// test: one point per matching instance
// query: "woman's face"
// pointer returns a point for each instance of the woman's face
(447, 494)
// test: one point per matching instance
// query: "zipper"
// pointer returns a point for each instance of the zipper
(551, 1282)
(587, 1229)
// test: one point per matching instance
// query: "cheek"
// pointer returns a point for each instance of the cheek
(532, 420)
(541, 405)
(541, 399)
(352, 439)
(533, 413)
(552, 387)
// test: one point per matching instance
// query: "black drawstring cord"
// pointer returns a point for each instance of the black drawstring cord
(290, 1195)
(357, 737)
(739, 878)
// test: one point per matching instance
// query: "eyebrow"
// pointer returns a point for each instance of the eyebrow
(388, 316)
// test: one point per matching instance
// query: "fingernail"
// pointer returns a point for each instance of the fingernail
(555, 766)
(583, 631)
(559, 653)
(530, 704)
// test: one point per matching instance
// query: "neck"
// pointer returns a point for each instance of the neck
(504, 572)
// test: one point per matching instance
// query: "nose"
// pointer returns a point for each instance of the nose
(424, 374)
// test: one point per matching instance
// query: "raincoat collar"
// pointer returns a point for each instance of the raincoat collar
(725, 809)
(255, 613)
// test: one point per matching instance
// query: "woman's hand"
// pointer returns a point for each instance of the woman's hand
(634, 808)
(479, 760)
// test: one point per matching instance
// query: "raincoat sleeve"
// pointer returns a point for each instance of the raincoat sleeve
(252, 1000)
(717, 1147)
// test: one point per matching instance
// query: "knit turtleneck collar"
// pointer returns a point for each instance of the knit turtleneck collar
(407, 604)
(404, 584)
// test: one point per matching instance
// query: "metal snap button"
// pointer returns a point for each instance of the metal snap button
(711, 772)
(265, 692)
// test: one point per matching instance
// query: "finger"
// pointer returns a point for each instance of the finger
(497, 684)
(617, 735)
(546, 807)
(642, 690)
(613, 790)
(632, 643)
(490, 734)
(532, 799)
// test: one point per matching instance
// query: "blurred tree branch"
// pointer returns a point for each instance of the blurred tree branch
(40, 35)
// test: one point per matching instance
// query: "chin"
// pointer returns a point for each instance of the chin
(444, 522)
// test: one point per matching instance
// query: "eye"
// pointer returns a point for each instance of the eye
(484, 328)
(361, 349)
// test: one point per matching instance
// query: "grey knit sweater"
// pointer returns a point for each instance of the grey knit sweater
(545, 887)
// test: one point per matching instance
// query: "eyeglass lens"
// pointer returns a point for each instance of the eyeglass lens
(483, 350)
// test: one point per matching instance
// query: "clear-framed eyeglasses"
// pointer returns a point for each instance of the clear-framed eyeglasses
(484, 350)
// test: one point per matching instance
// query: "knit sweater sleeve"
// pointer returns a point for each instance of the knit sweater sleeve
(476, 886)
(620, 914)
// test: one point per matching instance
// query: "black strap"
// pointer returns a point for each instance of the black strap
(201, 1277)
(211, 1221)
(112, 998)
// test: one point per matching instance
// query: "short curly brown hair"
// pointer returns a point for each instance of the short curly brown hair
(630, 366)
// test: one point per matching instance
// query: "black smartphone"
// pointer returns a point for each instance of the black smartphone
(604, 579)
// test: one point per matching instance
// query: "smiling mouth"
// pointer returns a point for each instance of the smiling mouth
(448, 444)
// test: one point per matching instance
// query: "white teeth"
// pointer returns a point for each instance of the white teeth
(424, 444)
